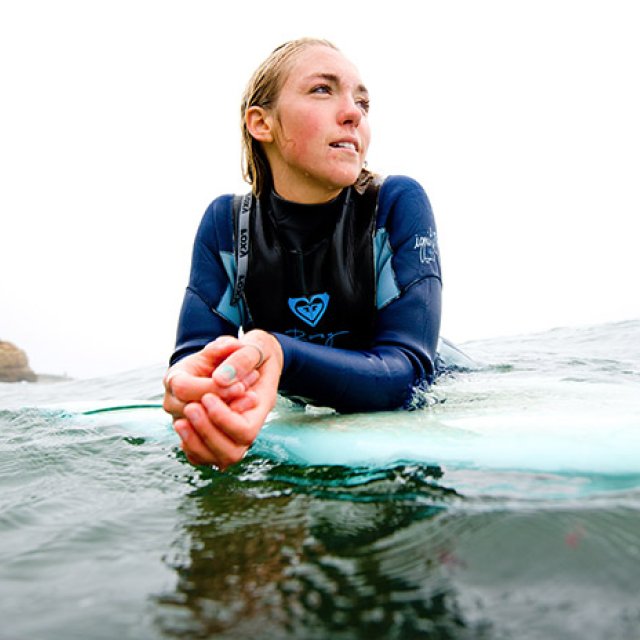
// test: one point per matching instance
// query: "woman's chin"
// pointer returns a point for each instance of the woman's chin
(344, 179)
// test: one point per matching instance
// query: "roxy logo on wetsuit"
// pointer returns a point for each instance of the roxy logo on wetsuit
(310, 310)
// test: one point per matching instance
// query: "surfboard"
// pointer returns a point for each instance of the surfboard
(512, 440)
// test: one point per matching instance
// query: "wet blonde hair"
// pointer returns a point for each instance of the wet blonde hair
(263, 90)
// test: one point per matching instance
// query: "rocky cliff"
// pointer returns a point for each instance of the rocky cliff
(14, 365)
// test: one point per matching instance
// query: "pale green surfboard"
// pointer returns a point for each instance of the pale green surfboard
(544, 441)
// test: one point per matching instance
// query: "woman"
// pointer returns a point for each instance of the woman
(332, 276)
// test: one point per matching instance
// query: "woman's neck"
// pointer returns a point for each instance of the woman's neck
(302, 193)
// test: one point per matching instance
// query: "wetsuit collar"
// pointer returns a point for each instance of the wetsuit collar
(304, 225)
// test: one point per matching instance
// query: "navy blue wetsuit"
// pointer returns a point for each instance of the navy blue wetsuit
(402, 354)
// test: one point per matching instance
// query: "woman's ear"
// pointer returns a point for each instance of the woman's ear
(259, 124)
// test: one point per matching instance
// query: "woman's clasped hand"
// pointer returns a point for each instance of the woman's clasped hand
(220, 396)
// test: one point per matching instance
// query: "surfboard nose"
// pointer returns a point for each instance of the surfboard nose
(451, 358)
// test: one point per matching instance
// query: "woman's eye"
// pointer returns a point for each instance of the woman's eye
(363, 103)
(321, 88)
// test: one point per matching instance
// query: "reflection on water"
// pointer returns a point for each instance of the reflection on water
(301, 558)
(392, 554)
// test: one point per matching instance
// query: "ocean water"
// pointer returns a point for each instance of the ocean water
(508, 507)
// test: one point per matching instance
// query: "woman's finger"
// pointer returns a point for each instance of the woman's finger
(235, 426)
(223, 448)
(246, 402)
(173, 406)
(239, 365)
(186, 387)
(250, 379)
(228, 394)
(192, 445)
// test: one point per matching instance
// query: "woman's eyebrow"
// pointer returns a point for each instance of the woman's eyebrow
(334, 79)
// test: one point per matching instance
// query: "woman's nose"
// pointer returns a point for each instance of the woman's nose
(350, 112)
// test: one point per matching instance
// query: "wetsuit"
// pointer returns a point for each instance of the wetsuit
(401, 352)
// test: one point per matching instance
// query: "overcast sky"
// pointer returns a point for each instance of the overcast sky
(119, 124)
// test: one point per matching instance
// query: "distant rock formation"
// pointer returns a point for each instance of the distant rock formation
(14, 365)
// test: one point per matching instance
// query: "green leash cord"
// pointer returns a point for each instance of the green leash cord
(123, 407)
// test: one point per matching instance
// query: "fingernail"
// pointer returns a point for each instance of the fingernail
(191, 414)
(183, 432)
(243, 404)
(227, 372)
(207, 401)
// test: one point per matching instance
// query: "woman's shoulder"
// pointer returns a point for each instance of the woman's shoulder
(399, 192)
(393, 186)
(217, 222)
(220, 206)
(217, 212)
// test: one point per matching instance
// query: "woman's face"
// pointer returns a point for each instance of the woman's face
(319, 126)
